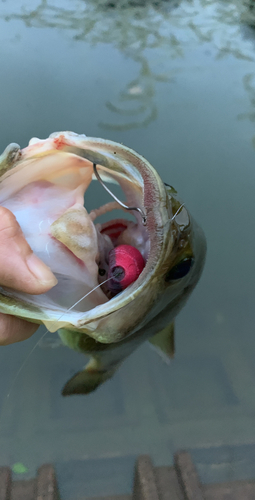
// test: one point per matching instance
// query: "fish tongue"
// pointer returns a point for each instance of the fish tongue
(76, 231)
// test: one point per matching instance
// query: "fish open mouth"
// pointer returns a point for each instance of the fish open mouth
(46, 192)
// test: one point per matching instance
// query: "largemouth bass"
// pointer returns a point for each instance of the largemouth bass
(44, 185)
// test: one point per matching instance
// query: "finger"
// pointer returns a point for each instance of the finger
(15, 329)
(20, 268)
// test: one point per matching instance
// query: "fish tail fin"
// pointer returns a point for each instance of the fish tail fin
(87, 380)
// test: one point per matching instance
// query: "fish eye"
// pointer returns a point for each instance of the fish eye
(101, 272)
(180, 270)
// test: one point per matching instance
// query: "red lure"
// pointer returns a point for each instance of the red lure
(125, 265)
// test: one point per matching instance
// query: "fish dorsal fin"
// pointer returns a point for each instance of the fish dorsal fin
(164, 341)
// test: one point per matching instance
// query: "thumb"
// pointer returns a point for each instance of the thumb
(20, 268)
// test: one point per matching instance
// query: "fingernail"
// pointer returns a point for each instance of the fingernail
(41, 271)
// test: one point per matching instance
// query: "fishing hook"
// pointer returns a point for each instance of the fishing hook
(137, 209)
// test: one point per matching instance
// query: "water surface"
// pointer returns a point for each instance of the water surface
(176, 82)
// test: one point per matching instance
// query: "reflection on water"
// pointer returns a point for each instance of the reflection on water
(137, 100)
(142, 27)
(249, 85)
(136, 26)
(249, 12)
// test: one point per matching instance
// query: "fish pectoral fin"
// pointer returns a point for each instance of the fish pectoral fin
(86, 381)
(164, 340)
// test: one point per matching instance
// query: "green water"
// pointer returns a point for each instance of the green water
(176, 82)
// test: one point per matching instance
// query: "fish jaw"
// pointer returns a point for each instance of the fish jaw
(112, 320)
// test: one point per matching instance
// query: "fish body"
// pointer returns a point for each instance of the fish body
(44, 185)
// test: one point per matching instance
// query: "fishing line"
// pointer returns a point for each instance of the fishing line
(177, 211)
(47, 331)
(175, 215)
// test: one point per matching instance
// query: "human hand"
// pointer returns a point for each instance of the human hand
(21, 270)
